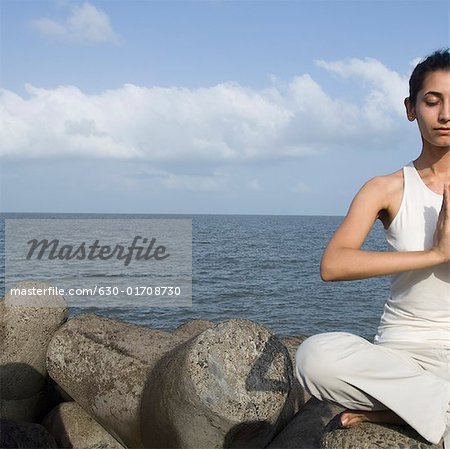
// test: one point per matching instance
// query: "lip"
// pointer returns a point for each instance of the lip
(443, 131)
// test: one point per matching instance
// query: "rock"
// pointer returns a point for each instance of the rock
(292, 344)
(55, 393)
(373, 436)
(28, 323)
(104, 365)
(227, 387)
(305, 429)
(192, 328)
(24, 435)
(72, 427)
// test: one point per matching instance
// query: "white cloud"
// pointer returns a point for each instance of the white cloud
(415, 61)
(388, 87)
(86, 23)
(222, 123)
(49, 27)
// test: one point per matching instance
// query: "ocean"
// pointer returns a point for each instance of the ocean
(258, 267)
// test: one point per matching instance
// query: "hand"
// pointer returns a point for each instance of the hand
(441, 238)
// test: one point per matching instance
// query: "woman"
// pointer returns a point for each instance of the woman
(404, 376)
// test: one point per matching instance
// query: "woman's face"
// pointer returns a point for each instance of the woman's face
(432, 108)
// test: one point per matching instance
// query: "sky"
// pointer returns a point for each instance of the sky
(206, 107)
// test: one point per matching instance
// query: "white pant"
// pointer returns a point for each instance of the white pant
(411, 380)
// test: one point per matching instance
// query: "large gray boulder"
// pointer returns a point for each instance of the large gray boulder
(227, 387)
(306, 428)
(28, 322)
(104, 365)
(192, 328)
(72, 427)
(373, 436)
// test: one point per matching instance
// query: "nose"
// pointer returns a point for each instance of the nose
(444, 114)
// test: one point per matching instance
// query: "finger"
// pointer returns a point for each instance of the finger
(445, 199)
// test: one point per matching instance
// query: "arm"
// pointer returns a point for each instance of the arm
(343, 258)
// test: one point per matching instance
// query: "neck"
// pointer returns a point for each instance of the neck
(436, 160)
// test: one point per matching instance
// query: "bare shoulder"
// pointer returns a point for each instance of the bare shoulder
(377, 199)
(388, 192)
(390, 184)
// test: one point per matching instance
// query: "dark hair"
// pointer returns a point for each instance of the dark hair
(439, 60)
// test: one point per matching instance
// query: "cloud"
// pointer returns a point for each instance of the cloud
(387, 85)
(223, 123)
(86, 23)
(49, 27)
(415, 61)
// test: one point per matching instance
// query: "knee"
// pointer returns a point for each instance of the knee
(317, 360)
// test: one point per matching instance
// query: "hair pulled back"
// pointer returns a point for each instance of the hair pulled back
(439, 60)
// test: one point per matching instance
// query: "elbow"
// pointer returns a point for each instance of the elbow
(326, 275)
(327, 272)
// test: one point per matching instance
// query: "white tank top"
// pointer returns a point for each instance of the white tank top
(418, 310)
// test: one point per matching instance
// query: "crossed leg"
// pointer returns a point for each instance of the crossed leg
(373, 382)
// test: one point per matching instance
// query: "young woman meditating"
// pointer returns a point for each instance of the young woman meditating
(404, 375)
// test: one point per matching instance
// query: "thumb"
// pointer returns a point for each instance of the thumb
(446, 200)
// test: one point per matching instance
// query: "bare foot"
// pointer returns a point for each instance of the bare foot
(351, 418)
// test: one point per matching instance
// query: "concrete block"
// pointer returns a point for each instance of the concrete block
(104, 365)
(28, 322)
(192, 328)
(227, 387)
(72, 427)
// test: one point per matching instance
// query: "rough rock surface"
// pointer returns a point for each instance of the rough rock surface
(28, 323)
(72, 427)
(373, 436)
(229, 386)
(104, 365)
(24, 435)
(192, 328)
(305, 429)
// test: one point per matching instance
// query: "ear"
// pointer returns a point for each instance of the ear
(410, 110)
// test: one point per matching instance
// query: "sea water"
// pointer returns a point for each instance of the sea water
(258, 267)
